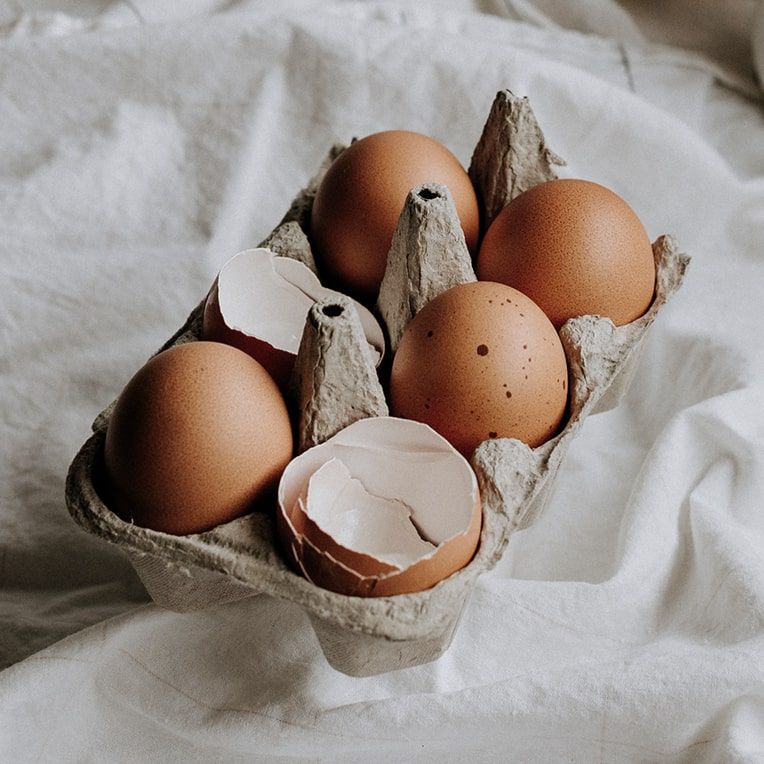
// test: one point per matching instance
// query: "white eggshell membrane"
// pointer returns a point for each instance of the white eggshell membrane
(384, 488)
(375, 525)
(267, 296)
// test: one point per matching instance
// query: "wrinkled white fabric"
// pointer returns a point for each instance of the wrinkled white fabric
(138, 152)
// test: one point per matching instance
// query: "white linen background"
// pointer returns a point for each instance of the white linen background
(625, 625)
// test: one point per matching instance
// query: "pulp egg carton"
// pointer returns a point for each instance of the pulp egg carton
(365, 636)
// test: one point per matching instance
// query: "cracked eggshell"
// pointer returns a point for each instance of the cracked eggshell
(406, 470)
(258, 304)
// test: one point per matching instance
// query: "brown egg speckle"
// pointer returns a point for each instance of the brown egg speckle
(472, 385)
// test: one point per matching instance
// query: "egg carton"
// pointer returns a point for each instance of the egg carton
(242, 558)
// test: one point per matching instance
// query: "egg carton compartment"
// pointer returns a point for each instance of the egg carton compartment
(242, 558)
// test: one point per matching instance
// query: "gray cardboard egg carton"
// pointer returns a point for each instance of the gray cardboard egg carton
(332, 387)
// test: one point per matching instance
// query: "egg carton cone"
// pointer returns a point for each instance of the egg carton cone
(428, 255)
(335, 383)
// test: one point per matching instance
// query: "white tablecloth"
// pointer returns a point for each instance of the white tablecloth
(142, 145)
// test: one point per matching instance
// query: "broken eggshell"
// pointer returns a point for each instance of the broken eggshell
(258, 304)
(386, 506)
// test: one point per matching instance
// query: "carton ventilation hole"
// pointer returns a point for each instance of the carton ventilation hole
(332, 310)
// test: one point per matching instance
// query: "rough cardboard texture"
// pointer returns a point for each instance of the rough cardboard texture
(334, 380)
(428, 255)
(511, 155)
(185, 588)
(365, 655)
(289, 240)
(670, 269)
(511, 474)
(242, 558)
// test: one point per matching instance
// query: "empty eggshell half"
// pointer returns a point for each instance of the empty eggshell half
(386, 506)
(258, 304)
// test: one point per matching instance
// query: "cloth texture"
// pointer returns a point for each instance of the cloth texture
(143, 144)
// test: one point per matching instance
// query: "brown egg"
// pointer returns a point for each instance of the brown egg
(481, 361)
(358, 203)
(198, 435)
(575, 248)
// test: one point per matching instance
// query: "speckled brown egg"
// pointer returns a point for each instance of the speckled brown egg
(358, 203)
(481, 361)
(575, 248)
(198, 435)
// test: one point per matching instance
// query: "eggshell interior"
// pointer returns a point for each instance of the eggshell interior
(258, 303)
(411, 472)
(377, 526)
